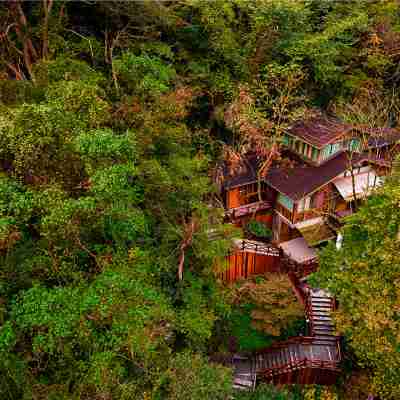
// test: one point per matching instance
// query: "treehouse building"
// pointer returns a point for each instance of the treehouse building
(329, 166)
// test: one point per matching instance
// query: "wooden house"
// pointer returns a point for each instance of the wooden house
(241, 195)
(307, 195)
(319, 139)
(340, 165)
(331, 165)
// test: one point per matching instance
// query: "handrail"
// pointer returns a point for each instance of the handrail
(257, 247)
(248, 208)
(304, 362)
(306, 340)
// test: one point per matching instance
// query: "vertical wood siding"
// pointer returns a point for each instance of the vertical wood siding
(242, 265)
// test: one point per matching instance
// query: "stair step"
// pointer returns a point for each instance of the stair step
(320, 335)
(315, 296)
(322, 301)
(319, 331)
(321, 315)
(243, 382)
(321, 304)
(322, 328)
(240, 387)
(321, 318)
(322, 323)
(325, 342)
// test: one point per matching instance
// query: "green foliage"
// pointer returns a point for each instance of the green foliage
(15, 200)
(328, 49)
(190, 376)
(105, 145)
(65, 69)
(268, 392)
(144, 74)
(17, 92)
(196, 317)
(249, 339)
(259, 229)
(81, 98)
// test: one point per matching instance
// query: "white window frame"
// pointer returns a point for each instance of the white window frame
(304, 204)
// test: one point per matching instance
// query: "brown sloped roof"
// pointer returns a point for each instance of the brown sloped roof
(298, 182)
(251, 163)
(319, 131)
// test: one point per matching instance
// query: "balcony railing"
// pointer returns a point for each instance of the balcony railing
(246, 209)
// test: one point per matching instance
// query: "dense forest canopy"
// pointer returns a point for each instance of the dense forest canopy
(112, 115)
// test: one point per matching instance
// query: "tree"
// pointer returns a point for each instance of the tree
(275, 305)
(191, 376)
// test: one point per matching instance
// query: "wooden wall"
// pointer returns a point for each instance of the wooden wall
(233, 199)
(243, 264)
(247, 194)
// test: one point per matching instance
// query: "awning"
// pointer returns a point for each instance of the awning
(298, 250)
(315, 231)
(363, 184)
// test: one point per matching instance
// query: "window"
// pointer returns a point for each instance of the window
(315, 153)
(248, 190)
(301, 148)
(285, 140)
(304, 204)
(305, 149)
(309, 152)
(354, 145)
(331, 149)
(335, 147)
(285, 201)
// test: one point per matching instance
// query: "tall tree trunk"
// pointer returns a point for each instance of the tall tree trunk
(30, 54)
(353, 184)
(47, 5)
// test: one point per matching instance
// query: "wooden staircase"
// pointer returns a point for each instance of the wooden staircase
(319, 306)
(303, 360)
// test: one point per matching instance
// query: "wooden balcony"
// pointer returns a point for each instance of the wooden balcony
(247, 209)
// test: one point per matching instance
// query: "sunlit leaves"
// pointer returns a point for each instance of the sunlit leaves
(144, 74)
(191, 377)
